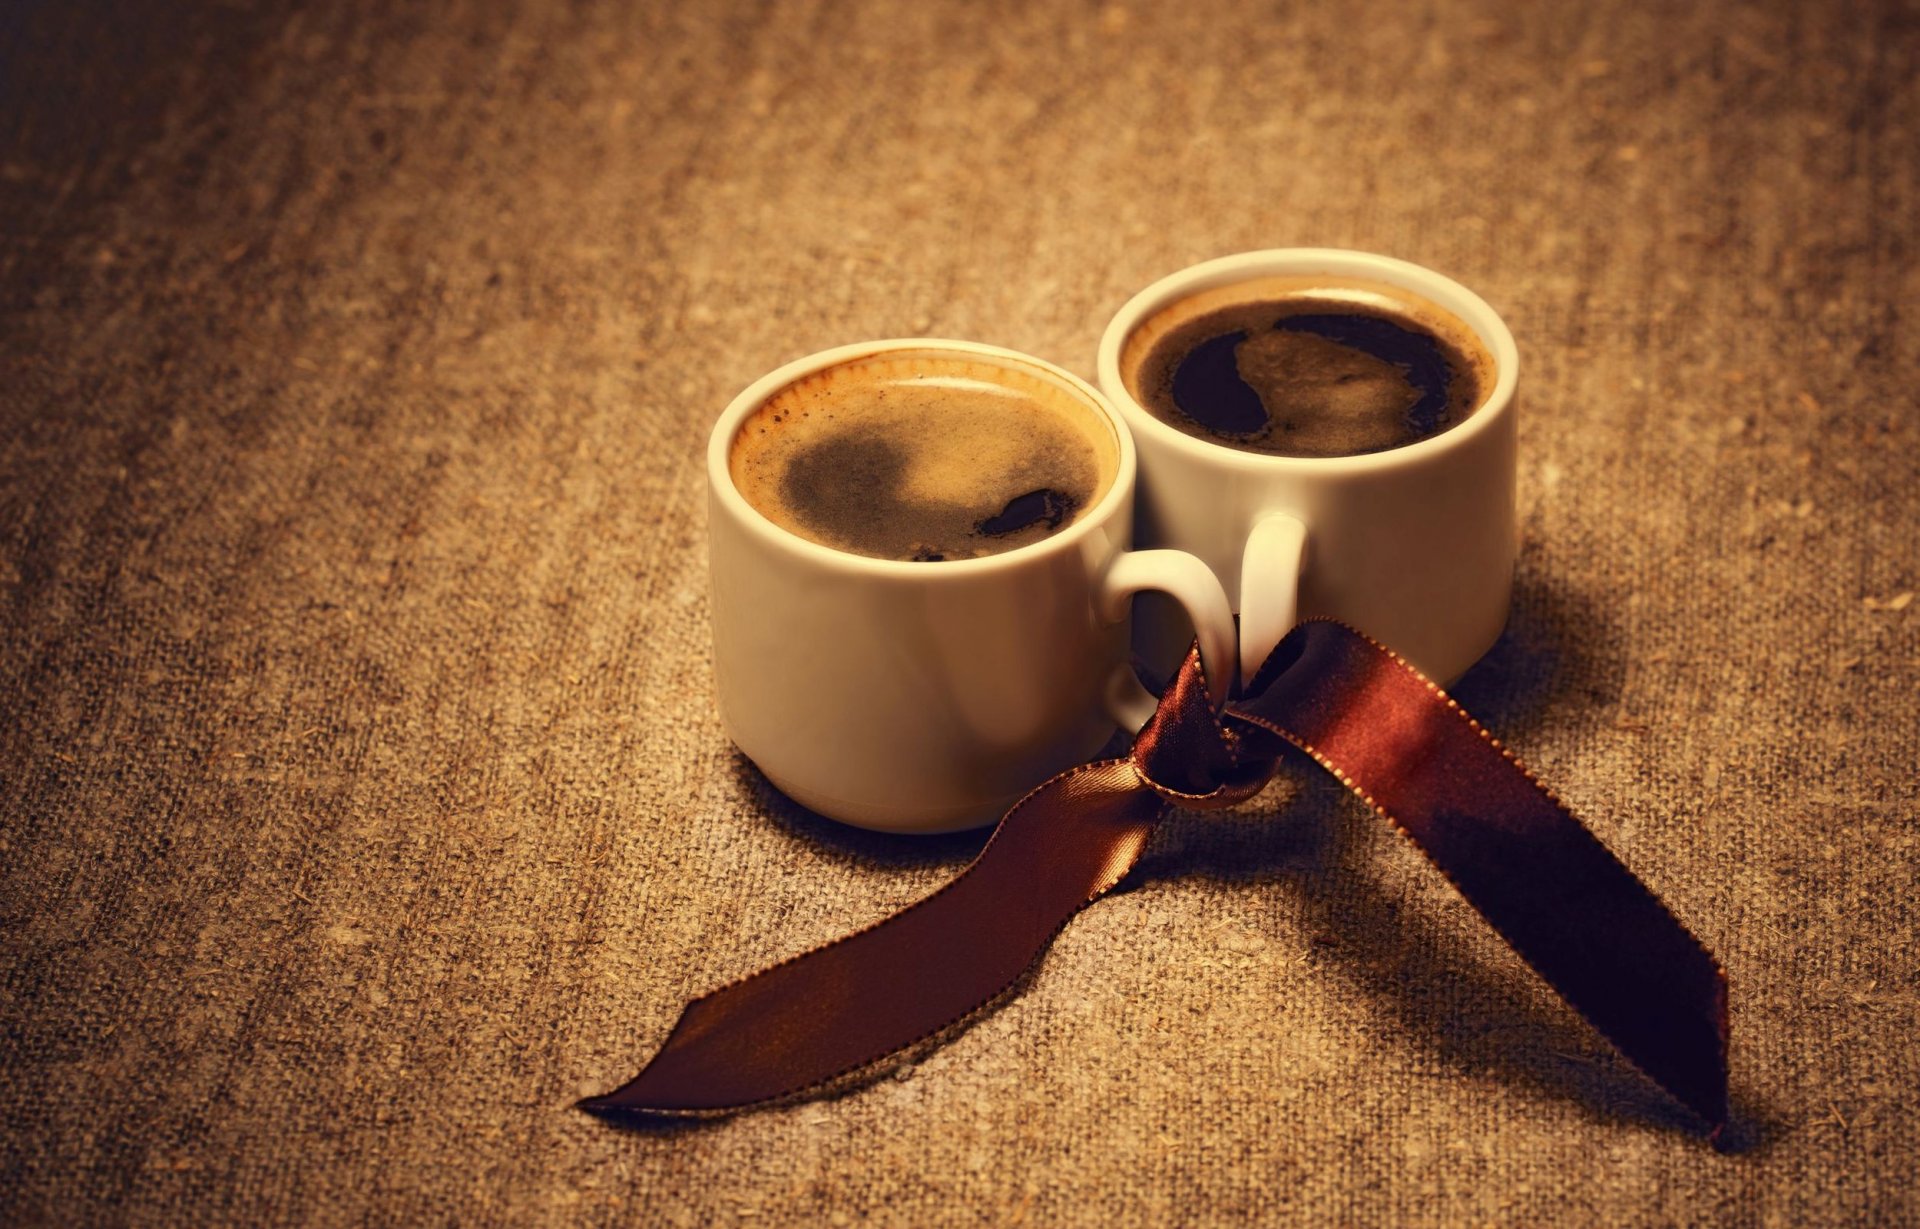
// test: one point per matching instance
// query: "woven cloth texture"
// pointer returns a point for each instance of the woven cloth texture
(362, 798)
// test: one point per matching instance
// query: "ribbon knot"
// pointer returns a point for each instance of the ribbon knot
(1584, 923)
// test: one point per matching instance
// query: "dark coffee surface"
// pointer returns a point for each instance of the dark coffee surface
(1308, 372)
(923, 457)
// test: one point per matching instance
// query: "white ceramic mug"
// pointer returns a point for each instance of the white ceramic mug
(1414, 545)
(927, 697)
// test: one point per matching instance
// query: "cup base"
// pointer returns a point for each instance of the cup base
(905, 821)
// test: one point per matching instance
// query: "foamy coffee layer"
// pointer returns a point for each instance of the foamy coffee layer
(924, 455)
(1307, 366)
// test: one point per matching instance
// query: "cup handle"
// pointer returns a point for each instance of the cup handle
(1269, 587)
(1188, 581)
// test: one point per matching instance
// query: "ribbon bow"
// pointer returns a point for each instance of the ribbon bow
(1585, 924)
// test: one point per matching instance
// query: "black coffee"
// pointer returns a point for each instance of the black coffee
(1307, 368)
(924, 455)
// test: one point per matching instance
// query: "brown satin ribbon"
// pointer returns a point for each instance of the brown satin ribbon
(1572, 911)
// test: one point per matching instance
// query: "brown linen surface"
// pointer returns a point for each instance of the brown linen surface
(362, 800)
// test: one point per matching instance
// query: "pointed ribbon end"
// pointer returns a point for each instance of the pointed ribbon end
(610, 1107)
(601, 1107)
(627, 1105)
(1713, 1114)
(1709, 1098)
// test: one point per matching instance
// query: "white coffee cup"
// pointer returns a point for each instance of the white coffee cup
(1414, 545)
(927, 697)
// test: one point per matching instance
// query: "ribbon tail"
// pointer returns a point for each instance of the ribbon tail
(821, 1017)
(1579, 917)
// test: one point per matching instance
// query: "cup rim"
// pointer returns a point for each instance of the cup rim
(751, 398)
(1439, 289)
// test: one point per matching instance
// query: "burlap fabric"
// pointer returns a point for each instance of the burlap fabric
(364, 803)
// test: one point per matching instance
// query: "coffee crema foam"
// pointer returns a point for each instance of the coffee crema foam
(1307, 366)
(924, 455)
